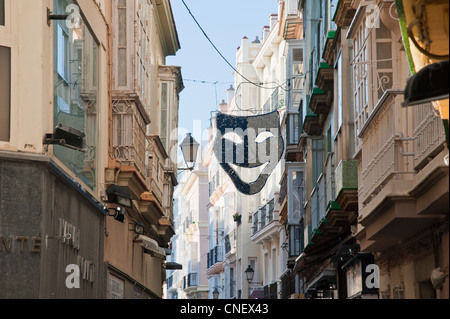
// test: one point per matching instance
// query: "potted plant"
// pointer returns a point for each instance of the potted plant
(237, 218)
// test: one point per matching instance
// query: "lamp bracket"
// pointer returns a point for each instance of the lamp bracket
(67, 137)
(50, 140)
(51, 16)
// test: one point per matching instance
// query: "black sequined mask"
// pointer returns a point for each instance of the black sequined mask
(248, 142)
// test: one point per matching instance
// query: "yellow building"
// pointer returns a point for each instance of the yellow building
(87, 103)
(403, 189)
(54, 106)
(143, 116)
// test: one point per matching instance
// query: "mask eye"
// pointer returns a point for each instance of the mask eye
(233, 137)
(263, 136)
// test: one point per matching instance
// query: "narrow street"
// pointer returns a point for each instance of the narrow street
(219, 156)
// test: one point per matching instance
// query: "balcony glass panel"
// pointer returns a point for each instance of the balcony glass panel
(76, 85)
(315, 209)
(263, 217)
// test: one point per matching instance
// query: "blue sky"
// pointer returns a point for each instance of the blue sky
(225, 23)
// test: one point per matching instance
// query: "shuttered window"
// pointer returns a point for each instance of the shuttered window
(122, 45)
(164, 110)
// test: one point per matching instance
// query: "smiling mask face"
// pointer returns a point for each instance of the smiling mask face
(248, 142)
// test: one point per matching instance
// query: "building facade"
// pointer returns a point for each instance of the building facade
(358, 206)
(101, 84)
(403, 179)
(190, 245)
(223, 204)
(365, 208)
(144, 111)
(54, 189)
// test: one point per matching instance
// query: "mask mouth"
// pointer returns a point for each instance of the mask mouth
(247, 174)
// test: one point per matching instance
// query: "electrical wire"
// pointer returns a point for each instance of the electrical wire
(207, 82)
(256, 110)
(218, 51)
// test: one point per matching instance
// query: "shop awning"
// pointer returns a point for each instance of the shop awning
(323, 280)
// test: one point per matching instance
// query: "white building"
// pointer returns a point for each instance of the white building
(275, 66)
(189, 246)
(224, 202)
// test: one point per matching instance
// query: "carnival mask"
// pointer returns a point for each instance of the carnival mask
(249, 143)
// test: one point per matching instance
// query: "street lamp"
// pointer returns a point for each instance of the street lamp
(429, 84)
(119, 195)
(172, 266)
(189, 148)
(249, 273)
(216, 294)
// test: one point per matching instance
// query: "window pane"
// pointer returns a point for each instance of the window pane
(383, 32)
(122, 67)
(2, 12)
(62, 54)
(384, 55)
(5, 92)
(298, 55)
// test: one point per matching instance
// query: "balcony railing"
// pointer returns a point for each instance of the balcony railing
(385, 153)
(322, 196)
(315, 211)
(379, 170)
(214, 256)
(262, 214)
(330, 183)
(283, 188)
(229, 243)
(131, 147)
(263, 217)
(215, 182)
(429, 134)
(323, 193)
(170, 281)
(191, 280)
(129, 135)
(255, 220)
(346, 176)
(155, 166)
